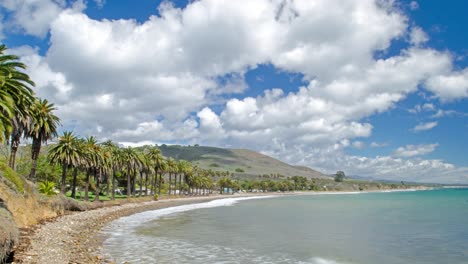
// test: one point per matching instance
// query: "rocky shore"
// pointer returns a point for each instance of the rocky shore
(73, 238)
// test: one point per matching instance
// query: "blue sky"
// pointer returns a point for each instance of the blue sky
(374, 89)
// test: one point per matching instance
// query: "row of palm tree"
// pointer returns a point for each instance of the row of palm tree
(22, 114)
(104, 161)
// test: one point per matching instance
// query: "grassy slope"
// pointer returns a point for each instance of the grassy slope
(252, 163)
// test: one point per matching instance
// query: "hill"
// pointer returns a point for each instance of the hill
(240, 162)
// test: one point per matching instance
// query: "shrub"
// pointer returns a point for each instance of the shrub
(47, 188)
(214, 165)
(239, 170)
(11, 176)
(339, 176)
(155, 197)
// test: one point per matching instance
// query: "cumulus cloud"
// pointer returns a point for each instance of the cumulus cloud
(424, 126)
(450, 86)
(418, 36)
(414, 150)
(172, 77)
(33, 16)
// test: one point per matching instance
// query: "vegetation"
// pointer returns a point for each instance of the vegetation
(47, 188)
(339, 176)
(11, 176)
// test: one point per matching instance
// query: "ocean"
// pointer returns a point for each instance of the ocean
(354, 228)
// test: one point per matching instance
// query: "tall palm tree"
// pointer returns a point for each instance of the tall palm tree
(182, 168)
(67, 153)
(91, 152)
(43, 127)
(16, 95)
(115, 162)
(171, 167)
(131, 163)
(157, 159)
(20, 124)
(6, 114)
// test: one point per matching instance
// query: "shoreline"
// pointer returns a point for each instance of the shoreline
(76, 237)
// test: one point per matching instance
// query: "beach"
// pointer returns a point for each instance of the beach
(74, 238)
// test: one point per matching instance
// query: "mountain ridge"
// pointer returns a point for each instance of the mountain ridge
(240, 162)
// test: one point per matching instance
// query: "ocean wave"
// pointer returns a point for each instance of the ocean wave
(124, 225)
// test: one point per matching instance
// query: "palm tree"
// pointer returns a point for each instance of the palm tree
(16, 95)
(91, 161)
(6, 113)
(20, 124)
(171, 167)
(131, 162)
(43, 127)
(157, 159)
(67, 153)
(182, 168)
(115, 162)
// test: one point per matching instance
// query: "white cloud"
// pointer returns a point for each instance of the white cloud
(425, 126)
(450, 86)
(378, 145)
(358, 144)
(418, 36)
(33, 16)
(159, 80)
(414, 150)
(414, 5)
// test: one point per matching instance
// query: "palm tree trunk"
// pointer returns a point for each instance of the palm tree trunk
(160, 183)
(128, 185)
(170, 182)
(14, 148)
(141, 183)
(75, 175)
(86, 195)
(36, 148)
(146, 183)
(98, 179)
(64, 178)
(113, 185)
(180, 184)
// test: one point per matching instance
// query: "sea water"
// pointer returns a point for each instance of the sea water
(363, 228)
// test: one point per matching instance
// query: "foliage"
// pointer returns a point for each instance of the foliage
(47, 188)
(11, 176)
(239, 170)
(155, 197)
(339, 176)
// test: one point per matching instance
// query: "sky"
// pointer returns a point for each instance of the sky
(375, 88)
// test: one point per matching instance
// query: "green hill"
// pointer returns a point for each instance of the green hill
(240, 162)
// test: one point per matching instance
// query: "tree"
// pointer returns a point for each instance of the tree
(115, 160)
(16, 95)
(67, 153)
(43, 127)
(339, 176)
(171, 167)
(131, 162)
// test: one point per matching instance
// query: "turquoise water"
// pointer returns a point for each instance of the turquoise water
(368, 228)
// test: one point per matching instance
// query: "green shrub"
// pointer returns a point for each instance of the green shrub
(155, 197)
(214, 165)
(47, 188)
(10, 175)
(239, 170)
